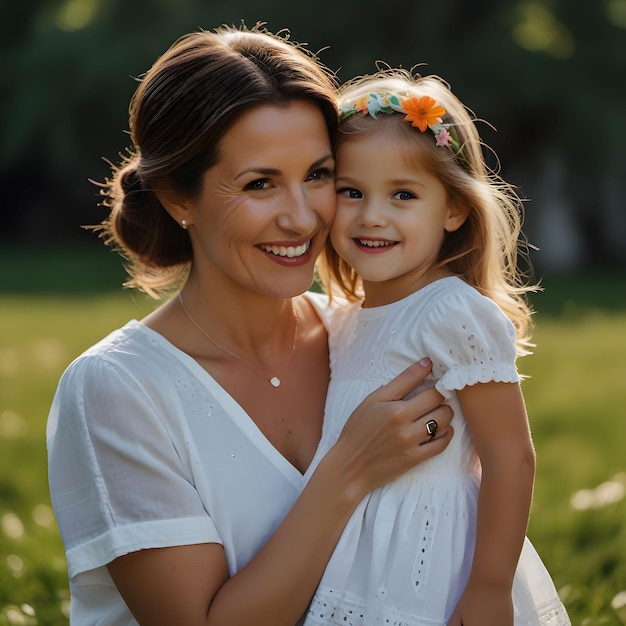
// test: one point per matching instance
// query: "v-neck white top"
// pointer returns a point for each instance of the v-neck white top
(147, 450)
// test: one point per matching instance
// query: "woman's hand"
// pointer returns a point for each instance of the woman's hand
(386, 435)
(191, 585)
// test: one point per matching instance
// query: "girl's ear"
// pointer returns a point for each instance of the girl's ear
(457, 214)
(177, 205)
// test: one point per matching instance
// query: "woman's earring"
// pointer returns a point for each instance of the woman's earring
(183, 223)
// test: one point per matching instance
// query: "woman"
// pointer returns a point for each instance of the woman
(179, 445)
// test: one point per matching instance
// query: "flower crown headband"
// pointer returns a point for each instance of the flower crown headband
(423, 112)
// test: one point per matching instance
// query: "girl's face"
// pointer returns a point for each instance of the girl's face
(265, 209)
(391, 217)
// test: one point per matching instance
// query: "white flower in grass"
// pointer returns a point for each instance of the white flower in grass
(603, 495)
(618, 603)
(12, 526)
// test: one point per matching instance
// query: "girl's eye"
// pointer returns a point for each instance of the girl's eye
(324, 173)
(404, 195)
(350, 192)
(258, 184)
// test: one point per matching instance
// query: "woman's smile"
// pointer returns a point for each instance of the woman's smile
(290, 254)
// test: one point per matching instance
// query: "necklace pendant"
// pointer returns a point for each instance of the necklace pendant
(275, 381)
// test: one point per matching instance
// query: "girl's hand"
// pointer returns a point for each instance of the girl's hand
(386, 436)
(482, 605)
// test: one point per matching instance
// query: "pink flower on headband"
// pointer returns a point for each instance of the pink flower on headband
(443, 137)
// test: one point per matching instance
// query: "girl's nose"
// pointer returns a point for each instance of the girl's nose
(371, 215)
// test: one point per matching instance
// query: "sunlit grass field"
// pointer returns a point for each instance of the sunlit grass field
(51, 309)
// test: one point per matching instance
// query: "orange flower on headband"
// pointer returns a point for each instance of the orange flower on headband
(360, 104)
(423, 112)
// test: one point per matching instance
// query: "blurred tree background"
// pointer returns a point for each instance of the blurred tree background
(547, 74)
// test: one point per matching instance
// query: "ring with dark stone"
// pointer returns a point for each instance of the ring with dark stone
(431, 428)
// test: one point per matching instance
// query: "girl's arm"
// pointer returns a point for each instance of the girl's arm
(498, 423)
(190, 584)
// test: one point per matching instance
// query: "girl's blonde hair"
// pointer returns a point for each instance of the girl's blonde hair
(485, 252)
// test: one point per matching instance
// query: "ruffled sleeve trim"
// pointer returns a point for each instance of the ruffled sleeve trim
(467, 375)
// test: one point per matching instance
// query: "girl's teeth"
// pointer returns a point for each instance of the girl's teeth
(374, 244)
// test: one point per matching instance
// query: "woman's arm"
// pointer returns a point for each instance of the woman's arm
(190, 584)
(498, 424)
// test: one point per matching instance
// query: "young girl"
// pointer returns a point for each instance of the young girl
(425, 244)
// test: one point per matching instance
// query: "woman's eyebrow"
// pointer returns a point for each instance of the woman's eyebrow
(270, 171)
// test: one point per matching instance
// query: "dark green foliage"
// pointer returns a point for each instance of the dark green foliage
(547, 73)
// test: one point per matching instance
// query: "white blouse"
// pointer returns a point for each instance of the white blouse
(146, 450)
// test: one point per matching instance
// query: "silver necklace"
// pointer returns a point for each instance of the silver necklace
(274, 380)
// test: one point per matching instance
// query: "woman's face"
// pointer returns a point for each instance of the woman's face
(265, 210)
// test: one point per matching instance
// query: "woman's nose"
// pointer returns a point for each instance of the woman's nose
(298, 214)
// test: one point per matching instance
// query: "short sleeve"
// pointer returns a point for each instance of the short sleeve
(469, 340)
(117, 481)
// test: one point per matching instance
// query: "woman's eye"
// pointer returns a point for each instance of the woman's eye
(349, 192)
(324, 173)
(258, 184)
(404, 195)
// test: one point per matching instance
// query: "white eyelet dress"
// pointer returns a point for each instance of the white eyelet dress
(405, 556)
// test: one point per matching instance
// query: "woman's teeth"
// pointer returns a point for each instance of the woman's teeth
(288, 251)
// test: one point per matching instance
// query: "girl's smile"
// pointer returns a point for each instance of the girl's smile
(374, 246)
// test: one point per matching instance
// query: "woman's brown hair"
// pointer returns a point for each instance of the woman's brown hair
(183, 106)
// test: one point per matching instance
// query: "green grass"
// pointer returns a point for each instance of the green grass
(50, 311)
(576, 397)
(39, 336)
